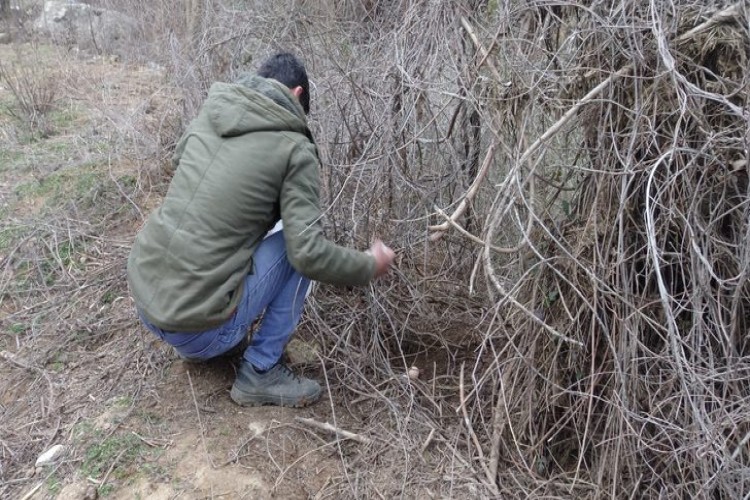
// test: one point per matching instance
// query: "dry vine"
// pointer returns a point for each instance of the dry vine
(619, 357)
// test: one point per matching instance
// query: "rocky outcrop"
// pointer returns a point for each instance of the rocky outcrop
(87, 27)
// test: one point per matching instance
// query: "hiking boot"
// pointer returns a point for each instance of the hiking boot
(278, 386)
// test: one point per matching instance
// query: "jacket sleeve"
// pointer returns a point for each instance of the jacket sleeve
(308, 250)
(180, 149)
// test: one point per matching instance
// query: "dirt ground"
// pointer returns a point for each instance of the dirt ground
(75, 367)
(183, 437)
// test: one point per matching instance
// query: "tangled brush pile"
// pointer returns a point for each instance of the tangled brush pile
(620, 362)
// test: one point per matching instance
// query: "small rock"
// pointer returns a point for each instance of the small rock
(300, 352)
(80, 490)
(51, 456)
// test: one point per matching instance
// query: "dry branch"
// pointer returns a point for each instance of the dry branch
(485, 53)
(470, 430)
(468, 197)
(325, 426)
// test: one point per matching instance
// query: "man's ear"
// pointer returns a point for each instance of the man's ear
(297, 91)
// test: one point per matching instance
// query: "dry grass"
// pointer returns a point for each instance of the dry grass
(32, 86)
(70, 204)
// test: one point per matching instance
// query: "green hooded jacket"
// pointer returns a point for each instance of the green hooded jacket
(246, 161)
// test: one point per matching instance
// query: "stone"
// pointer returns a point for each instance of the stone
(85, 26)
(299, 351)
(91, 493)
(51, 456)
(80, 490)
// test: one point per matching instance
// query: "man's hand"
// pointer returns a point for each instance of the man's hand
(384, 257)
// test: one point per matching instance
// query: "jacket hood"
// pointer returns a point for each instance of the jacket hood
(254, 104)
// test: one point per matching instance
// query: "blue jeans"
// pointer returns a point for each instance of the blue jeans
(274, 286)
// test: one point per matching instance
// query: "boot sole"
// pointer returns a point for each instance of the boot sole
(244, 399)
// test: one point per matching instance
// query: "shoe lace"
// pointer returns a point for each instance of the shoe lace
(289, 373)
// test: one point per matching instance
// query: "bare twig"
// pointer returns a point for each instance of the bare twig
(32, 491)
(427, 441)
(200, 422)
(470, 194)
(154, 442)
(485, 53)
(111, 468)
(491, 480)
(325, 426)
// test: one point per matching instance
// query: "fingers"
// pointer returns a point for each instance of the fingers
(384, 257)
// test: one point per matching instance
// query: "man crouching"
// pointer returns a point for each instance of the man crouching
(204, 266)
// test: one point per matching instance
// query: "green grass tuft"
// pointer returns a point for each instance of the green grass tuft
(100, 456)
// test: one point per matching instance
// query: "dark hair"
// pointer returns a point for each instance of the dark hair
(287, 69)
